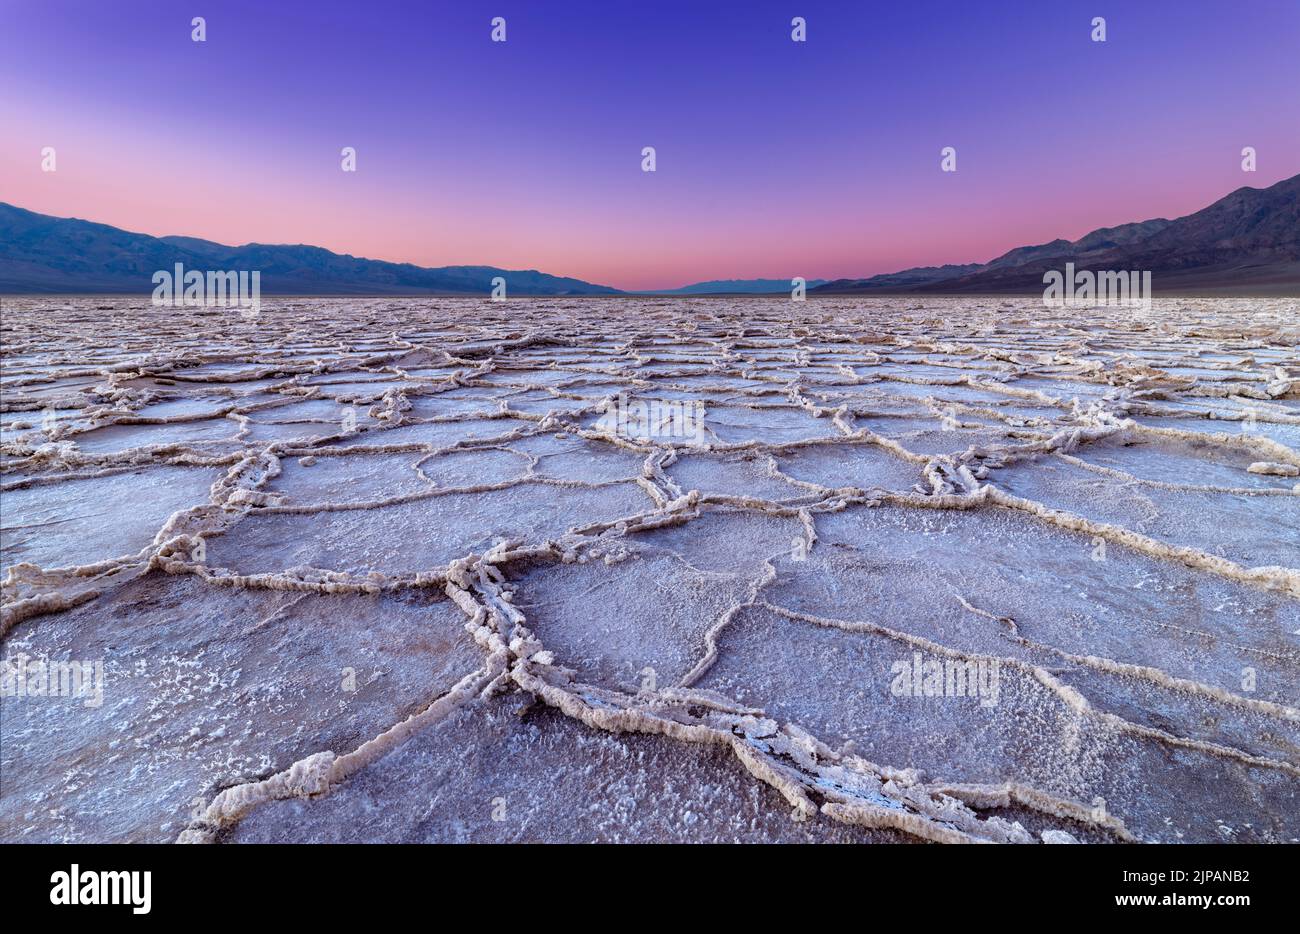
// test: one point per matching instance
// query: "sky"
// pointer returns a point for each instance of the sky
(774, 158)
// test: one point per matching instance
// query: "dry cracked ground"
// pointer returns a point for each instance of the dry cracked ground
(939, 570)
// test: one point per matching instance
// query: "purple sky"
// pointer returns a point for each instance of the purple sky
(775, 158)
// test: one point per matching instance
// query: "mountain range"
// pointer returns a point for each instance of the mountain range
(39, 253)
(735, 287)
(1247, 242)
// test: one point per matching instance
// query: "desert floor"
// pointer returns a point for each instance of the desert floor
(397, 570)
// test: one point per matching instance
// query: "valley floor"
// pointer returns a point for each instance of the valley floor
(887, 570)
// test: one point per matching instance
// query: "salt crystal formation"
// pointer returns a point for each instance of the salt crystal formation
(382, 570)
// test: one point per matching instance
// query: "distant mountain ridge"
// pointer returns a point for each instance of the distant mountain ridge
(39, 253)
(734, 286)
(1247, 240)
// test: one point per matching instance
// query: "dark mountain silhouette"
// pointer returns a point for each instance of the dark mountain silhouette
(39, 253)
(734, 287)
(1248, 241)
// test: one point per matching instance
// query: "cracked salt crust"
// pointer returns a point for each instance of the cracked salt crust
(875, 478)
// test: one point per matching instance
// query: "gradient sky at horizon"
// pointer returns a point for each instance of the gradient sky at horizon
(775, 158)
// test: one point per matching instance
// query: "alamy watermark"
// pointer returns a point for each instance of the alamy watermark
(24, 676)
(80, 886)
(947, 677)
(680, 419)
(211, 288)
(1087, 289)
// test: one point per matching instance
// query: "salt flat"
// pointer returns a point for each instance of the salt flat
(392, 570)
